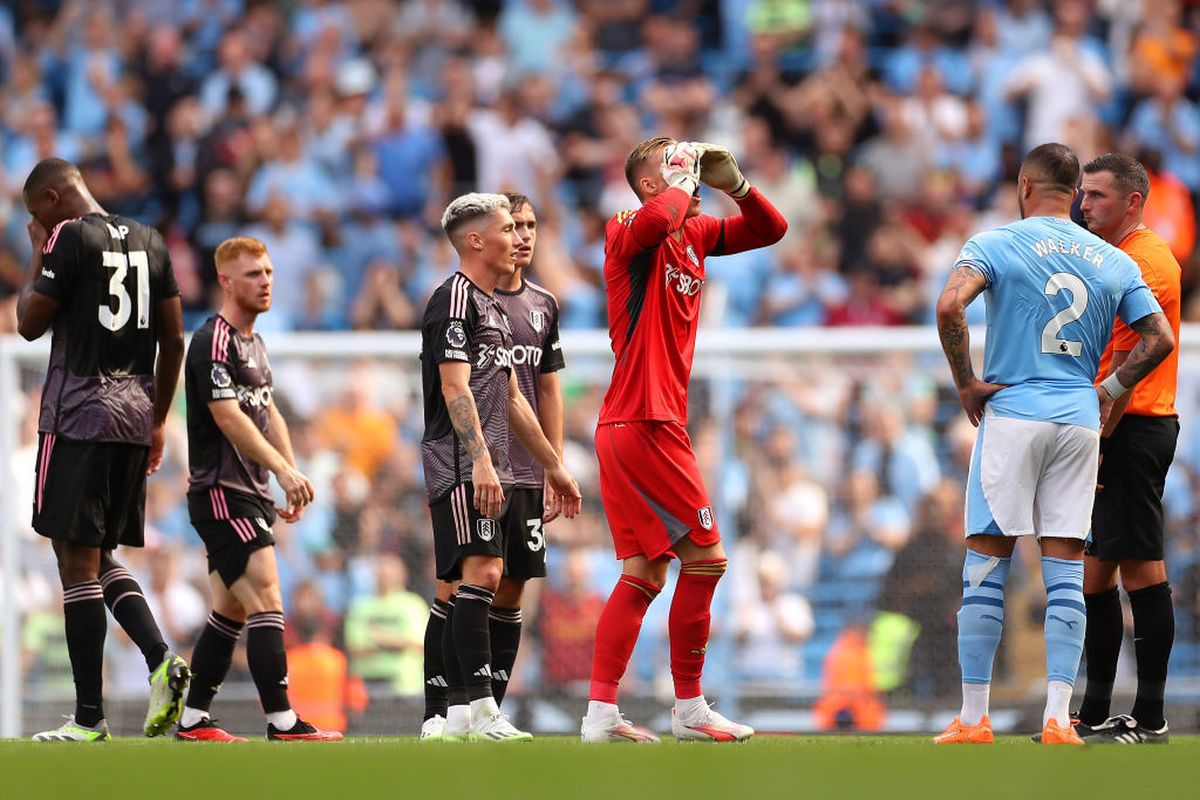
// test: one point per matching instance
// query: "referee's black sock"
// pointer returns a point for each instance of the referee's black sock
(456, 689)
(437, 694)
(504, 627)
(267, 659)
(1102, 646)
(86, 624)
(472, 639)
(211, 660)
(129, 608)
(1153, 635)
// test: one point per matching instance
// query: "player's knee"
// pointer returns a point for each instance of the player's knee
(1142, 574)
(688, 550)
(75, 567)
(483, 571)
(107, 562)
(263, 596)
(509, 593)
(444, 590)
(229, 608)
(653, 572)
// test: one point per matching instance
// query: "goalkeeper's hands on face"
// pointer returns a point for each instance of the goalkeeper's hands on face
(681, 166)
(719, 169)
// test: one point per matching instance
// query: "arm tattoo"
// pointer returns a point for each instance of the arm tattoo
(956, 342)
(465, 420)
(1155, 345)
(962, 287)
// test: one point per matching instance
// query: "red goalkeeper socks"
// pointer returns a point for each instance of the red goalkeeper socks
(689, 623)
(617, 633)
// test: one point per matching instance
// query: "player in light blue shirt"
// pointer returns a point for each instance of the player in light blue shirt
(1053, 291)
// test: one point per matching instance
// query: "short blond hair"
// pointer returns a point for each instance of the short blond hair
(640, 155)
(232, 249)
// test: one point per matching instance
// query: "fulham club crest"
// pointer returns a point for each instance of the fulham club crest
(485, 529)
(706, 518)
(538, 320)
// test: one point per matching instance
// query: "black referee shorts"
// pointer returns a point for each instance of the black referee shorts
(1127, 519)
(90, 493)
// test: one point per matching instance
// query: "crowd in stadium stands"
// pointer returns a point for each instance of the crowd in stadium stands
(887, 131)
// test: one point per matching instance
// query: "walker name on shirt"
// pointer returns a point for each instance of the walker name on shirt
(1088, 253)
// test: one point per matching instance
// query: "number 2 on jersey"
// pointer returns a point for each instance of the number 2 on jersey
(114, 321)
(1075, 286)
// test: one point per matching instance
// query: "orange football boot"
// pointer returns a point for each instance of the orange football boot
(957, 733)
(1053, 733)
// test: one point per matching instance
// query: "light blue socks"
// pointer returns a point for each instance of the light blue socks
(1066, 617)
(1066, 624)
(981, 618)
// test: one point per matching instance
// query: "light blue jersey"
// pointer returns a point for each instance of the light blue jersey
(1053, 292)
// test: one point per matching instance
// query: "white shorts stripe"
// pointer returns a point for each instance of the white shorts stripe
(1032, 477)
(462, 517)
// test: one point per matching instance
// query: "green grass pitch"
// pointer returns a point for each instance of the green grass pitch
(563, 769)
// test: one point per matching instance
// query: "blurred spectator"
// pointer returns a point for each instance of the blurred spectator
(918, 587)
(866, 519)
(320, 686)
(385, 632)
(1168, 122)
(849, 700)
(177, 605)
(1170, 208)
(308, 615)
(296, 256)
(535, 34)
(411, 157)
(514, 150)
(1063, 84)
(567, 619)
(898, 156)
(1163, 50)
(45, 662)
(292, 173)
(898, 454)
(237, 68)
(356, 428)
(770, 630)
(805, 289)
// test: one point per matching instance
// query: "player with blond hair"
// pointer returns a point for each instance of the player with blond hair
(654, 498)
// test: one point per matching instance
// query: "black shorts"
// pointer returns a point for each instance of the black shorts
(1127, 519)
(90, 493)
(525, 539)
(459, 530)
(233, 525)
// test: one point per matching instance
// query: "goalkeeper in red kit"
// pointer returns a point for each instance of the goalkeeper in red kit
(654, 498)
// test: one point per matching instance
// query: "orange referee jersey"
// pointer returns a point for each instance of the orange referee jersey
(1154, 395)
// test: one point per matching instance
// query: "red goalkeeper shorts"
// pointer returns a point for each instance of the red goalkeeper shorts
(651, 488)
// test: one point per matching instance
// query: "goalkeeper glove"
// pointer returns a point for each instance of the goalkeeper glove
(719, 169)
(681, 166)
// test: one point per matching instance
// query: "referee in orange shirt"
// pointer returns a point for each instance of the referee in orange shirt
(1137, 446)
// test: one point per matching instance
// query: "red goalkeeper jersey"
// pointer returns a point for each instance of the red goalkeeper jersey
(654, 282)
